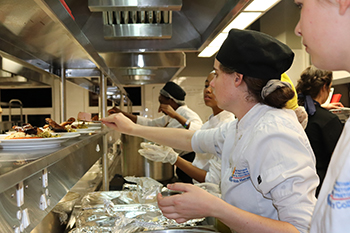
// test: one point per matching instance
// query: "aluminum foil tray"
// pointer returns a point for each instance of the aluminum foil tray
(131, 210)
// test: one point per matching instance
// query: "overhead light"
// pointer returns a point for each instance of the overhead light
(244, 19)
(140, 61)
(208, 51)
(261, 5)
(214, 46)
(219, 40)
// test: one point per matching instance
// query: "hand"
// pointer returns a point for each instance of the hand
(119, 122)
(167, 110)
(192, 204)
(156, 153)
(114, 110)
(211, 188)
(333, 106)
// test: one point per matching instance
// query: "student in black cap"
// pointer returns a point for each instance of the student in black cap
(268, 175)
(176, 115)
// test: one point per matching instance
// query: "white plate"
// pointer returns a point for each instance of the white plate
(94, 128)
(85, 131)
(88, 123)
(66, 133)
(34, 143)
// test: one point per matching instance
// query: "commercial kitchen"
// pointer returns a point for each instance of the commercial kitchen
(62, 57)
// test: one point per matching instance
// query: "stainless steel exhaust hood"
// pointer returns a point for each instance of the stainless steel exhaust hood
(43, 34)
(15, 72)
(141, 68)
(136, 19)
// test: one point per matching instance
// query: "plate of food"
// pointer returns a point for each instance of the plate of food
(60, 128)
(32, 138)
(87, 125)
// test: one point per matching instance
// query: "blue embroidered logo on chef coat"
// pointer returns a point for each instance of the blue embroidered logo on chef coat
(340, 196)
(239, 175)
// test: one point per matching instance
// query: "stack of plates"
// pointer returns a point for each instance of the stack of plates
(91, 127)
(34, 143)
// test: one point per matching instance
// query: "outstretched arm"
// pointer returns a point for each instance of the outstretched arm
(166, 154)
(176, 138)
(331, 106)
(196, 203)
(117, 110)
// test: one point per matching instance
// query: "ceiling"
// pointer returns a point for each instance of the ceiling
(82, 39)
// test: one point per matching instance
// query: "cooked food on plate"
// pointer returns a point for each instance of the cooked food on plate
(95, 118)
(27, 131)
(84, 116)
(54, 126)
(68, 122)
(63, 127)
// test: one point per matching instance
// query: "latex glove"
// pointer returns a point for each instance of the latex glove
(302, 116)
(157, 153)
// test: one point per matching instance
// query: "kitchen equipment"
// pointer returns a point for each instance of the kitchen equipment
(133, 164)
(185, 230)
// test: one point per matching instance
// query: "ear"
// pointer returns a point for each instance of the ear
(238, 78)
(343, 6)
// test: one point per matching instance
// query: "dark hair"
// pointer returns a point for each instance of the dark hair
(312, 81)
(277, 98)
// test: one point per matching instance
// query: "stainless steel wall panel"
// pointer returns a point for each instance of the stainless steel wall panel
(65, 166)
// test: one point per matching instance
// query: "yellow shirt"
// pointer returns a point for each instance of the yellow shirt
(292, 103)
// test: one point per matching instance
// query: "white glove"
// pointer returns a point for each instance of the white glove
(156, 153)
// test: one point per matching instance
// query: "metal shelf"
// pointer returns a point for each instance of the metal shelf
(25, 171)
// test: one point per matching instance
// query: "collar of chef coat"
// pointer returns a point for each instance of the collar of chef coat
(252, 116)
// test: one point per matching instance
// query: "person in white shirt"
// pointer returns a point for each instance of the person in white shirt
(205, 167)
(325, 29)
(176, 115)
(268, 175)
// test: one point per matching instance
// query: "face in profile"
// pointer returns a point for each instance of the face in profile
(323, 31)
(208, 95)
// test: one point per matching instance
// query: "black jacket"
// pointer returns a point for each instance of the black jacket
(323, 130)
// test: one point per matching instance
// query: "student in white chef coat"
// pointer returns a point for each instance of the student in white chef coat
(268, 175)
(325, 28)
(176, 115)
(205, 167)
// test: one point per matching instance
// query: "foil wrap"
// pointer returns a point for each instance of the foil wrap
(134, 209)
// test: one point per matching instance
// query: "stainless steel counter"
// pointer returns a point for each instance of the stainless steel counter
(33, 182)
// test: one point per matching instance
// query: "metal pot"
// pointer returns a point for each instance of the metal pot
(134, 164)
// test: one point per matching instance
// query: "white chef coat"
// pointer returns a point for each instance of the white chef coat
(332, 211)
(268, 166)
(210, 162)
(167, 121)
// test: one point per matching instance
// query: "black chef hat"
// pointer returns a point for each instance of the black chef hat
(255, 54)
(174, 91)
